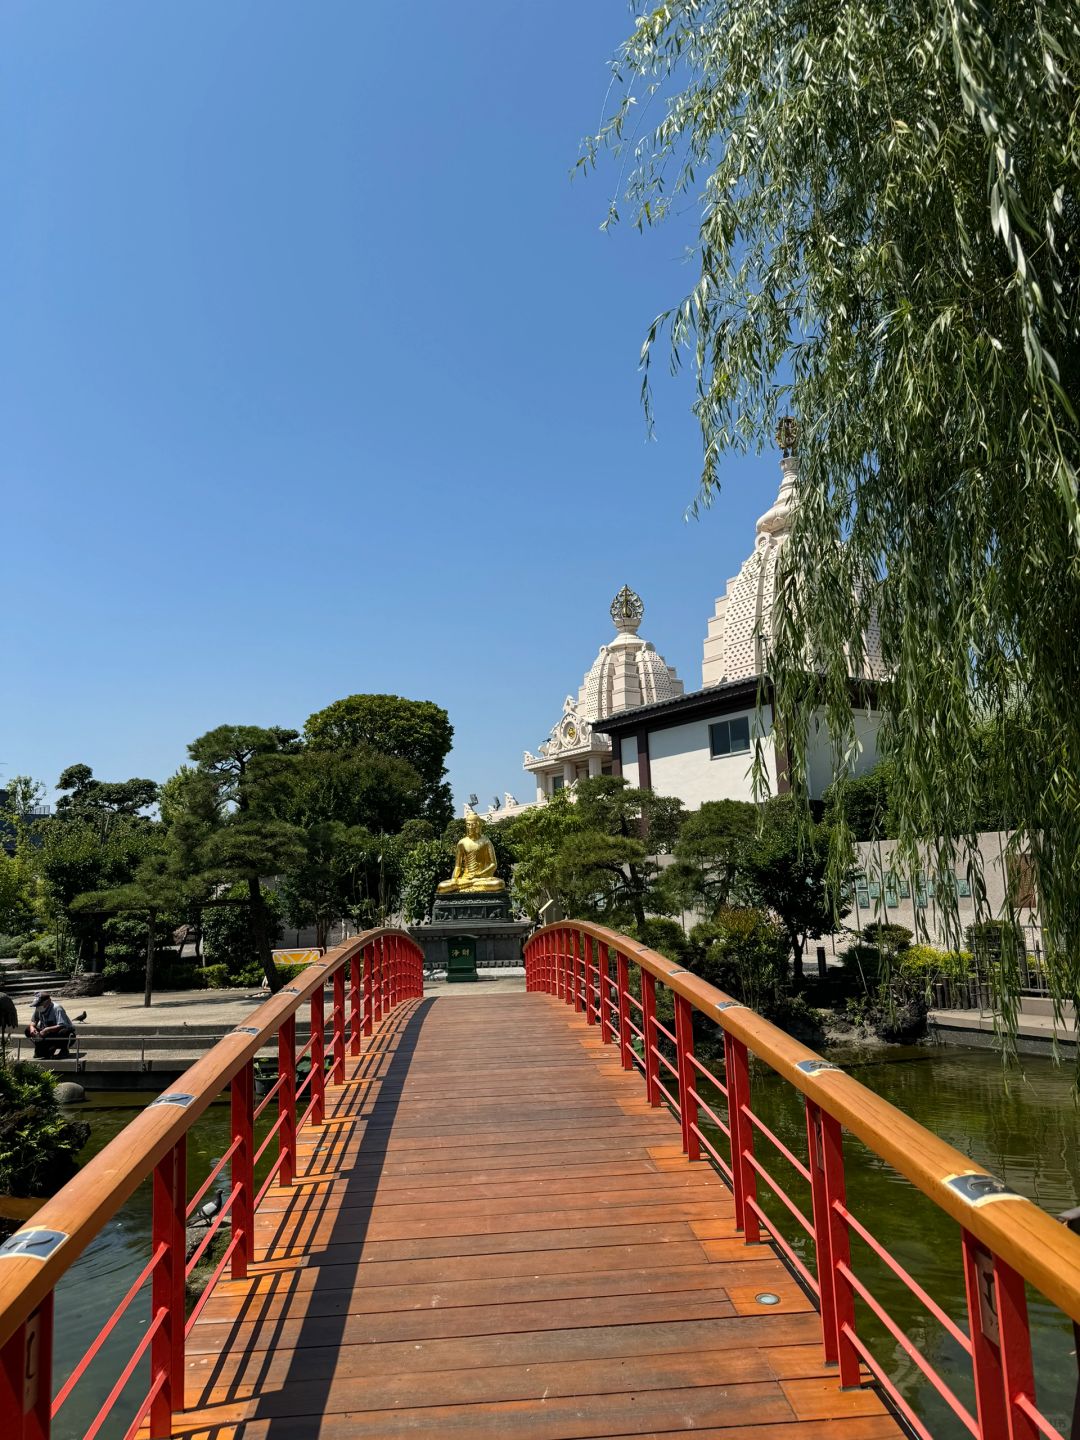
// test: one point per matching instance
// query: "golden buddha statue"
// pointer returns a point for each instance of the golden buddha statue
(474, 862)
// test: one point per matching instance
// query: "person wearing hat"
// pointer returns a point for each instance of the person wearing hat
(49, 1021)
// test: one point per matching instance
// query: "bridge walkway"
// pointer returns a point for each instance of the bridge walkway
(493, 1233)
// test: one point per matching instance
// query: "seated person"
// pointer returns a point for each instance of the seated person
(50, 1027)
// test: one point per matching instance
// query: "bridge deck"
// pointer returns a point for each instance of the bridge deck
(497, 1235)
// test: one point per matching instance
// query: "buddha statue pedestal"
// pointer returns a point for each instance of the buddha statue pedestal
(470, 905)
(471, 922)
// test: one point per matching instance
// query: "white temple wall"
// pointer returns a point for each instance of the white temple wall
(819, 758)
(629, 760)
(680, 762)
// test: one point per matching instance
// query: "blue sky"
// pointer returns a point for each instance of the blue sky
(317, 376)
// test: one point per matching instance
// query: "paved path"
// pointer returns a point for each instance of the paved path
(493, 1235)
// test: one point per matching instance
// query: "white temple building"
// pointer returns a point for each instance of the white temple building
(632, 716)
(627, 673)
(740, 631)
(701, 746)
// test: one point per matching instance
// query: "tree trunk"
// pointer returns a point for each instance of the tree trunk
(260, 936)
(148, 989)
(636, 900)
(798, 943)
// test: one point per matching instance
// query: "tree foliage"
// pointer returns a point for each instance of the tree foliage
(708, 852)
(416, 731)
(888, 248)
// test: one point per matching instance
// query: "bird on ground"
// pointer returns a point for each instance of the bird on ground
(206, 1213)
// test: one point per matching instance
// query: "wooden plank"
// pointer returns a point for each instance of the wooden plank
(501, 1383)
(494, 1233)
(355, 1295)
(370, 1328)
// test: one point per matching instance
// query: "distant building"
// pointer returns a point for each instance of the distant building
(7, 830)
(701, 746)
(627, 673)
(632, 716)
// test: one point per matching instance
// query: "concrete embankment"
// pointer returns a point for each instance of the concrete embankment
(1037, 1032)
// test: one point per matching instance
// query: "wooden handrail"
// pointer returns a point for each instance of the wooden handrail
(1024, 1236)
(94, 1195)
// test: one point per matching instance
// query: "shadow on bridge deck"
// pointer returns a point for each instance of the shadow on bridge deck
(493, 1232)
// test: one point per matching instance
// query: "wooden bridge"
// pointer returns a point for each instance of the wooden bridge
(480, 1222)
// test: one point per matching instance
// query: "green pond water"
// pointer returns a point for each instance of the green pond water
(1024, 1129)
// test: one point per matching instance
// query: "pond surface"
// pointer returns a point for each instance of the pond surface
(1025, 1128)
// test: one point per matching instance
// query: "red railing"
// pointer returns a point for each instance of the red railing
(384, 969)
(1006, 1243)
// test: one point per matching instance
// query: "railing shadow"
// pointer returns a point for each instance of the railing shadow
(250, 1351)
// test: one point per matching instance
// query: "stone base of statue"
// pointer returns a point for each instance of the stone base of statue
(469, 932)
(474, 905)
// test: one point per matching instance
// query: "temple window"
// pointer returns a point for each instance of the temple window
(729, 737)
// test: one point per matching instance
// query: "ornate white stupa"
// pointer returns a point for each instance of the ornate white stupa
(740, 631)
(627, 672)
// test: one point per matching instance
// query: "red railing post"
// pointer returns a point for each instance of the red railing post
(387, 966)
(688, 1106)
(26, 1376)
(560, 967)
(168, 1228)
(392, 974)
(339, 1026)
(1014, 1343)
(318, 1058)
(603, 972)
(826, 1270)
(356, 1011)
(622, 967)
(550, 978)
(575, 950)
(652, 1035)
(369, 989)
(842, 1296)
(287, 1100)
(242, 1214)
(590, 989)
(744, 1180)
(993, 1404)
(378, 956)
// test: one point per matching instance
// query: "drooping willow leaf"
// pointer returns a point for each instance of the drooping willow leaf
(888, 249)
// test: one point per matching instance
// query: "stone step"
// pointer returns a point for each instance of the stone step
(1043, 1005)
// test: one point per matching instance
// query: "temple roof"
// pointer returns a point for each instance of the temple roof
(627, 672)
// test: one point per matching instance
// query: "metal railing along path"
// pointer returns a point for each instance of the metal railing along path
(1006, 1242)
(368, 976)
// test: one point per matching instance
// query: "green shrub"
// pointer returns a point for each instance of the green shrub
(745, 953)
(41, 952)
(38, 1144)
(887, 937)
(665, 936)
(227, 936)
(288, 972)
(10, 945)
(120, 975)
(213, 977)
(930, 964)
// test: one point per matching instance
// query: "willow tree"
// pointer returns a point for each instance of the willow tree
(887, 249)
